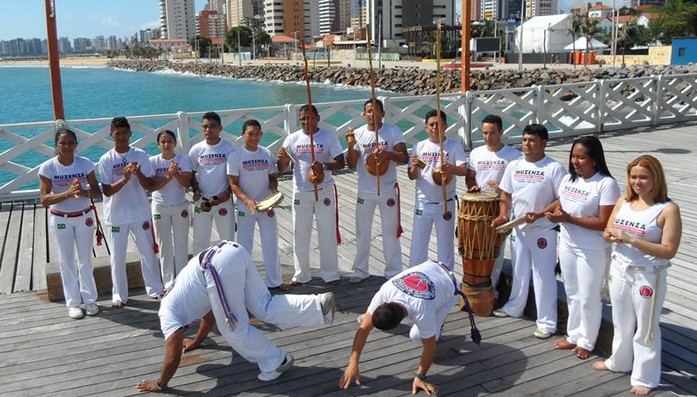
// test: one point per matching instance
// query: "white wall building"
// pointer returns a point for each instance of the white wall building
(177, 19)
(535, 8)
(390, 16)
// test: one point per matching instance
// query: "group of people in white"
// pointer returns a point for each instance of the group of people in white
(622, 240)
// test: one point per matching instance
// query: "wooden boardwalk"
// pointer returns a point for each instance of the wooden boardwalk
(46, 353)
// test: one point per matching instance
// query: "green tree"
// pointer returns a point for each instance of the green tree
(630, 35)
(202, 43)
(574, 29)
(245, 37)
(590, 29)
(261, 39)
(678, 18)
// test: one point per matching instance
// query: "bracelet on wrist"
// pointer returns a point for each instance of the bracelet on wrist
(159, 386)
(420, 376)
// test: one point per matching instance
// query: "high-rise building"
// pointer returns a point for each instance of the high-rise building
(328, 21)
(211, 24)
(296, 18)
(388, 17)
(177, 19)
(538, 8)
(64, 46)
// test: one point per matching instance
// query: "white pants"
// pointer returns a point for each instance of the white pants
(172, 233)
(632, 292)
(224, 216)
(75, 235)
(427, 214)
(268, 232)
(246, 291)
(142, 234)
(391, 249)
(324, 211)
(583, 271)
(536, 253)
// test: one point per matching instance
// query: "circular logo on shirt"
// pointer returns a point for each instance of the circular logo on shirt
(541, 243)
(448, 215)
(89, 222)
(390, 202)
(185, 214)
(222, 211)
(646, 291)
(270, 213)
(327, 201)
(146, 225)
(416, 284)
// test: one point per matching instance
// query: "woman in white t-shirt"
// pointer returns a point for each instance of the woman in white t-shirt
(645, 228)
(586, 198)
(66, 184)
(169, 207)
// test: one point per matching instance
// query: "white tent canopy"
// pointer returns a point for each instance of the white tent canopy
(580, 44)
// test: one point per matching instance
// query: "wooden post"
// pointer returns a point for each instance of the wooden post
(54, 60)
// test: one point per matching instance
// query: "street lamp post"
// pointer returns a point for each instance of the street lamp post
(520, 39)
(239, 33)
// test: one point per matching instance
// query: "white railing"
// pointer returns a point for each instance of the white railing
(566, 109)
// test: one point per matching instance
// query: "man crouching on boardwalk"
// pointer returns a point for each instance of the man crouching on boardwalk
(219, 286)
(424, 294)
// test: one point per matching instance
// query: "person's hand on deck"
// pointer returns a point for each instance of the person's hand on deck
(189, 345)
(422, 384)
(148, 385)
(351, 374)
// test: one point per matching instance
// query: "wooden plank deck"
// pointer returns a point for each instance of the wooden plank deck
(46, 353)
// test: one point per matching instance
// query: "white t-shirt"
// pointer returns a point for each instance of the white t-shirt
(389, 136)
(173, 192)
(297, 145)
(210, 164)
(130, 204)
(422, 290)
(429, 153)
(644, 225)
(253, 170)
(62, 177)
(532, 186)
(188, 300)
(583, 198)
(489, 165)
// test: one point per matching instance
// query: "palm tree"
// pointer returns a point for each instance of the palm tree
(575, 30)
(590, 30)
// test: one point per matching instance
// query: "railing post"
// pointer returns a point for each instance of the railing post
(539, 102)
(601, 107)
(291, 124)
(658, 104)
(183, 133)
(387, 106)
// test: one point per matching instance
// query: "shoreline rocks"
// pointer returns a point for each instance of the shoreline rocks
(409, 80)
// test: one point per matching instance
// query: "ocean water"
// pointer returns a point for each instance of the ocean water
(99, 92)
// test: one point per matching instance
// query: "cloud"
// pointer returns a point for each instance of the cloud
(109, 21)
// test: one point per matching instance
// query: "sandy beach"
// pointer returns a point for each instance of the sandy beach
(93, 61)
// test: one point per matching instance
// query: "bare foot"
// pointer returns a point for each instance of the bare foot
(600, 366)
(641, 390)
(582, 353)
(117, 305)
(564, 345)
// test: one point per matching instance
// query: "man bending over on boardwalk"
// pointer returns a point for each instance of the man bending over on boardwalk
(219, 286)
(424, 294)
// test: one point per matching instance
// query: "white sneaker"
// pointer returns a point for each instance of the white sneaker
(328, 304)
(75, 313)
(273, 375)
(542, 334)
(91, 309)
(500, 313)
(355, 280)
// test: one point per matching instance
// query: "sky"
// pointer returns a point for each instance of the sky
(80, 18)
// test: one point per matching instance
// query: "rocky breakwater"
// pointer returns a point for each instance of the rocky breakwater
(410, 81)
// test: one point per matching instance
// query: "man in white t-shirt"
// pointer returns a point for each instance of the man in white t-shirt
(212, 196)
(219, 286)
(529, 188)
(390, 150)
(424, 294)
(427, 169)
(252, 173)
(485, 169)
(127, 210)
(313, 198)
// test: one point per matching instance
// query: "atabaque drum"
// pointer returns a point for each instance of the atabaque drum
(478, 244)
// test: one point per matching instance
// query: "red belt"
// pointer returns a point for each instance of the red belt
(70, 214)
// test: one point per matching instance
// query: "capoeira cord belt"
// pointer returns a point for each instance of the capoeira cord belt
(474, 331)
(206, 264)
(656, 271)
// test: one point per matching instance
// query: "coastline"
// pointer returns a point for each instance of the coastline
(69, 61)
